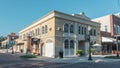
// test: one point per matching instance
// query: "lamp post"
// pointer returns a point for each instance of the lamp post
(117, 46)
(89, 57)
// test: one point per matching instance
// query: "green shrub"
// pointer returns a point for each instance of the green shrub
(28, 56)
(79, 52)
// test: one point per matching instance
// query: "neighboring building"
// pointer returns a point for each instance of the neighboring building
(59, 31)
(110, 27)
(10, 41)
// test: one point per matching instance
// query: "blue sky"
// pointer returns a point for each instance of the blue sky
(16, 14)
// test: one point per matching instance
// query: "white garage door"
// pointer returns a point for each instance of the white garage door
(49, 50)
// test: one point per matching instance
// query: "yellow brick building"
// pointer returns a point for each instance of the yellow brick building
(59, 31)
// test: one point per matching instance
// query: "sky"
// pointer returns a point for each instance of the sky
(17, 14)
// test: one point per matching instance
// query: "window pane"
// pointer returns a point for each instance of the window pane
(46, 28)
(66, 43)
(71, 44)
(43, 30)
(79, 29)
(66, 27)
(82, 30)
(71, 29)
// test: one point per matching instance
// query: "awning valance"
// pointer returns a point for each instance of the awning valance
(107, 39)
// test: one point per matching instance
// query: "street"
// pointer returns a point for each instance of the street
(88, 65)
(11, 61)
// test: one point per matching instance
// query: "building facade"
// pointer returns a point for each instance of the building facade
(10, 41)
(110, 27)
(59, 31)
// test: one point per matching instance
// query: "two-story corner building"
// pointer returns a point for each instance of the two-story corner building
(59, 31)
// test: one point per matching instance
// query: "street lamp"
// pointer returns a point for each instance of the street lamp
(117, 46)
(89, 30)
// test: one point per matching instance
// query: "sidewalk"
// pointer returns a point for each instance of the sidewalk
(96, 59)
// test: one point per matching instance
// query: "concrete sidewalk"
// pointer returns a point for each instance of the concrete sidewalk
(75, 59)
(96, 58)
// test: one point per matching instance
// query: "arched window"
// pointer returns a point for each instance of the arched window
(66, 28)
(71, 43)
(71, 29)
(46, 28)
(42, 29)
(66, 43)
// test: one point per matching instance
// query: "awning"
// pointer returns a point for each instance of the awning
(108, 39)
(20, 43)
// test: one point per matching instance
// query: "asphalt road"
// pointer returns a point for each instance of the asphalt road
(11, 61)
(87, 65)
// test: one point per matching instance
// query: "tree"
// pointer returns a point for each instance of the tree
(2, 38)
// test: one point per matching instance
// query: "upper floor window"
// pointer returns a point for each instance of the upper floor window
(115, 28)
(85, 30)
(82, 30)
(42, 29)
(38, 31)
(79, 29)
(33, 33)
(71, 29)
(106, 28)
(46, 29)
(66, 28)
(94, 32)
(66, 44)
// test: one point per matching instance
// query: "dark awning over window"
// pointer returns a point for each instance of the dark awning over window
(20, 43)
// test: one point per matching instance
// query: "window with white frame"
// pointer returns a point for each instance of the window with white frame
(66, 43)
(42, 29)
(38, 31)
(82, 30)
(46, 29)
(115, 28)
(66, 28)
(71, 29)
(106, 28)
(71, 43)
(79, 29)
(33, 33)
(94, 32)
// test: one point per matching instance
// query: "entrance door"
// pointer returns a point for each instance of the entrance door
(49, 50)
(69, 48)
